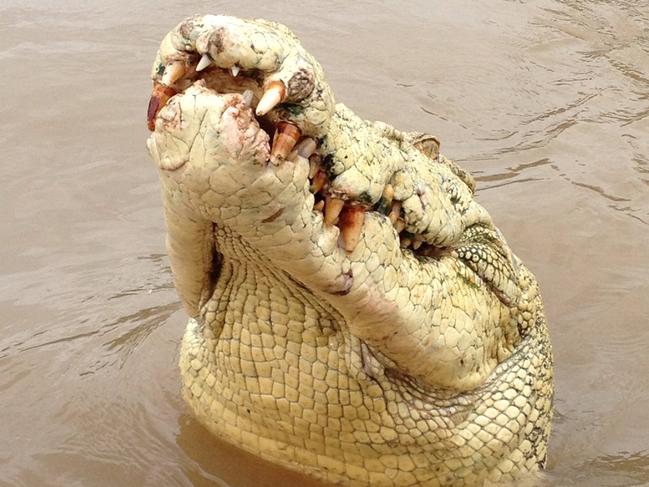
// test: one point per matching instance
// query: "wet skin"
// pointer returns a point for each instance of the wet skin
(355, 314)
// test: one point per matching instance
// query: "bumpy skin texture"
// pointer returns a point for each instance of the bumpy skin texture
(381, 366)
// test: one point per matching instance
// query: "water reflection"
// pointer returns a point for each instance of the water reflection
(624, 469)
(217, 463)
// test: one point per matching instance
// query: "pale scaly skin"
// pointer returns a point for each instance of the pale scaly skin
(376, 367)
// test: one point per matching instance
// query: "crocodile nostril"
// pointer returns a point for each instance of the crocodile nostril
(300, 85)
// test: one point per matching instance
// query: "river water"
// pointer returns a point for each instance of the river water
(546, 102)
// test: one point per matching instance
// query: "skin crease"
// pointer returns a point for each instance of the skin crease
(375, 366)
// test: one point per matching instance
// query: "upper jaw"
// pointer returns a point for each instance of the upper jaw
(294, 105)
(265, 55)
(353, 167)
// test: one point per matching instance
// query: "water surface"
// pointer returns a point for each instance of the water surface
(546, 102)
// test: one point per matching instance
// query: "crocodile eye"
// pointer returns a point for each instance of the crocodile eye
(161, 69)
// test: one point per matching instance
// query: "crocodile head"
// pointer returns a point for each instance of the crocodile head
(298, 232)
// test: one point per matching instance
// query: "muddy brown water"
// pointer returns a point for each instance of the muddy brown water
(546, 102)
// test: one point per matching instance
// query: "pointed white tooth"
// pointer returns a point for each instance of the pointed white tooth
(272, 97)
(247, 97)
(235, 70)
(173, 72)
(205, 61)
(332, 209)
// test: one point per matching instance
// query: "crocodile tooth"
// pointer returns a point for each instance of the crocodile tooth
(286, 136)
(306, 147)
(405, 242)
(247, 97)
(400, 225)
(319, 206)
(303, 149)
(385, 202)
(235, 70)
(417, 242)
(273, 95)
(205, 61)
(314, 165)
(351, 223)
(332, 209)
(395, 212)
(159, 98)
(173, 72)
(319, 181)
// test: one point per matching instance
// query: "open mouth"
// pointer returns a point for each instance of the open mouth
(259, 164)
(288, 143)
(422, 202)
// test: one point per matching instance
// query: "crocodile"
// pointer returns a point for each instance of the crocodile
(354, 313)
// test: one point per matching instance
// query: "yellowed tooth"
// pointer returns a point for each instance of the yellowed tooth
(417, 242)
(400, 225)
(319, 206)
(273, 95)
(332, 209)
(235, 70)
(159, 98)
(314, 165)
(303, 149)
(388, 192)
(306, 147)
(405, 242)
(205, 62)
(351, 224)
(173, 72)
(319, 181)
(395, 212)
(286, 136)
(385, 202)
